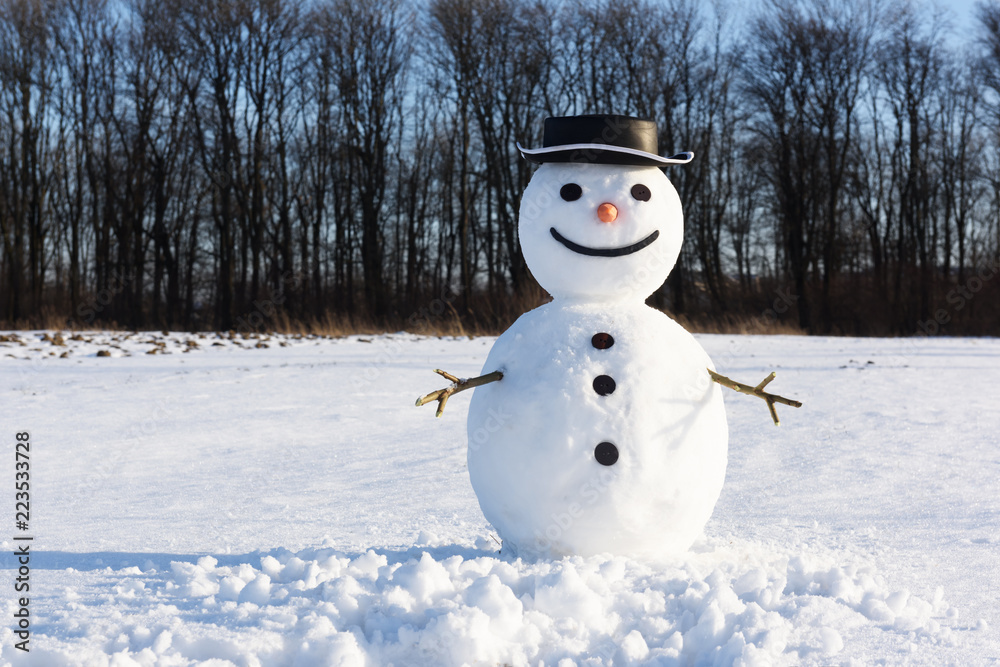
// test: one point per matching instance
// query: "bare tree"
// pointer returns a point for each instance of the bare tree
(805, 75)
(369, 53)
(494, 53)
(988, 14)
(213, 41)
(27, 75)
(910, 63)
(183, 163)
(961, 152)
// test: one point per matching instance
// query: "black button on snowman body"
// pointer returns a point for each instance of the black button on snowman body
(604, 385)
(594, 442)
(605, 453)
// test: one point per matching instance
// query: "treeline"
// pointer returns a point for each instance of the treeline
(227, 164)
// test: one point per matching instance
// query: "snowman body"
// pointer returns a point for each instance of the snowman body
(605, 433)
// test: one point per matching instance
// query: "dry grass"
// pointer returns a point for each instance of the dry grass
(485, 317)
(50, 318)
(729, 323)
(857, 310)
(332, 325)
(491, 317)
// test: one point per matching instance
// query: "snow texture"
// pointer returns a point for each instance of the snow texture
(566, 274)
(583, 447)
(281, 502)
(534, 434)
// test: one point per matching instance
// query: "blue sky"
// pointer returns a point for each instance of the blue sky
(964, 12)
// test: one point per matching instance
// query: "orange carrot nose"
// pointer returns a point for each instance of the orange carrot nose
(607, 212)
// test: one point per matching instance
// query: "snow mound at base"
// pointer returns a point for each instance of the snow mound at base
(730, 602)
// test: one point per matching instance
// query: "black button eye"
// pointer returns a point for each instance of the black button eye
(571, 192)
(606, 454)
(602, 341)
(640, 192)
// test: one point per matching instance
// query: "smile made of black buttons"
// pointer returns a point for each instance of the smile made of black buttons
(605, 453)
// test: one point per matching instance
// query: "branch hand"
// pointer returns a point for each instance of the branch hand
(757, 391)
(457, 385)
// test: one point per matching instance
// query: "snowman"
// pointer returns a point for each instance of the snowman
(598, 425)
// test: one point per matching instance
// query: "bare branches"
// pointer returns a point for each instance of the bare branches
(457, 385)
(194, 158)
(757, 391)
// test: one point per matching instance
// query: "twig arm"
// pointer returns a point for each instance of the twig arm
(757, 391)
(457, 385)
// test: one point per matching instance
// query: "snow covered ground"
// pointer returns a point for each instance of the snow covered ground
(282, 502)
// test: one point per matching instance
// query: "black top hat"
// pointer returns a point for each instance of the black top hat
(601, 139)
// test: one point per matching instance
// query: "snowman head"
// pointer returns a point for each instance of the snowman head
(599, 220)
